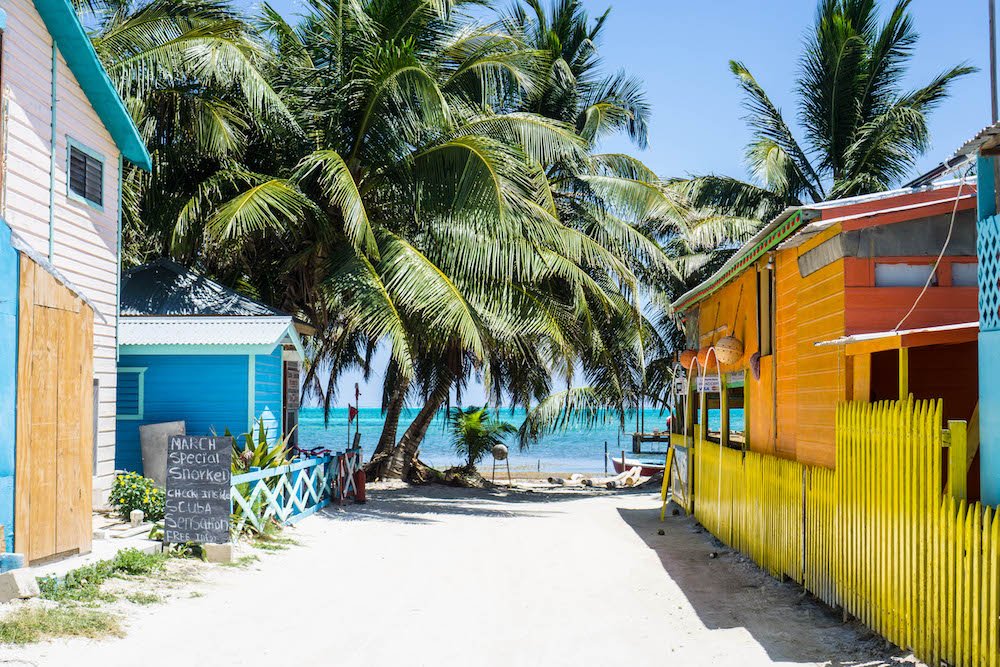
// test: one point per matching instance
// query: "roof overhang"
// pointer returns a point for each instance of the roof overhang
(64, 25)
(776, 231)
(986, 142)
(881, 341)
(208, 335)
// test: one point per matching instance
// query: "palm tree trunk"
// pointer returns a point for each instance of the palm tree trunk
(404, 455)
(392, 413)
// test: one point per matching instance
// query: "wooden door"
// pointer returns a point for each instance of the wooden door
(54, 466)
(290, 421)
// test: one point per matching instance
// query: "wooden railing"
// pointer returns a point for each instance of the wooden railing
(285, 494)
(878, 536)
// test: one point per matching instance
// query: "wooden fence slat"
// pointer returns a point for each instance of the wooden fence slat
(875, 535)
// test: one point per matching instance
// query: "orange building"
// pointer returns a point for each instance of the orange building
(829, 303)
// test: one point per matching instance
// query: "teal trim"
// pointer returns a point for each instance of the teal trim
(225, 350)
(3, 20)
(67, 31)
(141, 388)
(118, 259)
(72, 143)
(9, 270)
(985, 188)
(52, 154)
(252, 390)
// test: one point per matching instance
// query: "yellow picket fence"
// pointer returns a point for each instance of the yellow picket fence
(876, 536)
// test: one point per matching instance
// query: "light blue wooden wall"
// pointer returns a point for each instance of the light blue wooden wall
(209, 392)
(8, 380)
(267, 393)
(988, 239)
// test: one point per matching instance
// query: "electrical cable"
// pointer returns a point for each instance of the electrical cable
(944, 249)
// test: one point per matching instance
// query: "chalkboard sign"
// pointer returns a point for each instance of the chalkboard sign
(198, 489)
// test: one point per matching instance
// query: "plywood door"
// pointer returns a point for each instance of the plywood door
(54, 418)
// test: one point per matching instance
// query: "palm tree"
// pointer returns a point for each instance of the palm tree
(862, 131)
(412, 208)
(475, 432)
(190, 73)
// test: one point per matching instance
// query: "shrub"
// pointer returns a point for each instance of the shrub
(132, 491)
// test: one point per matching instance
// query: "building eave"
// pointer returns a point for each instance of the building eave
(65, 28)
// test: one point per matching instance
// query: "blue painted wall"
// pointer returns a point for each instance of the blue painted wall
(209, 392)
(267, 393)
(989, 336)
(8, 380)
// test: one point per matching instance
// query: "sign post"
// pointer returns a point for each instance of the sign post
(198, 501)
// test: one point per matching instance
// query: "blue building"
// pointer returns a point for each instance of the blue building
(194, 350)
(984, 148)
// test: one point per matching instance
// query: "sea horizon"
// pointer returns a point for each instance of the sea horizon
(574, 449)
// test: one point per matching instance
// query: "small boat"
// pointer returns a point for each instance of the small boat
(648, 469)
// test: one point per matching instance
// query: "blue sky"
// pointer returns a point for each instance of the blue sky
(681, 49)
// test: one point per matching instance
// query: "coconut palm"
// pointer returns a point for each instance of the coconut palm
(475, 432)
(413, 208)
(862, 132)
(190, 73)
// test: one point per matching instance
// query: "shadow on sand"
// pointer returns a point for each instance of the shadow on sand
(422, 504)
(729, 591)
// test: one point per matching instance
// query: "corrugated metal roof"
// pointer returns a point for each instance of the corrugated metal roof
(164, 287)
(983, 137)
(809, 212)
(206, 330)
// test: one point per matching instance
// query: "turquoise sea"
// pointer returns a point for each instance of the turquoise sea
(576, 449)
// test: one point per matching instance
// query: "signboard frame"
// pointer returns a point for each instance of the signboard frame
(198, 499)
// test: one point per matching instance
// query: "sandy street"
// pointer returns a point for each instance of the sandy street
(443, 577)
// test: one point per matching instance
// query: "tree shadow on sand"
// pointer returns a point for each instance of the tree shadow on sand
(424, 504)
(729, 591)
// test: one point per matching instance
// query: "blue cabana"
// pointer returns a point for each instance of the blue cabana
(194, 350)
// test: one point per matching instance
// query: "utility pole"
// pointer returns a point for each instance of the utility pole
(993, 60)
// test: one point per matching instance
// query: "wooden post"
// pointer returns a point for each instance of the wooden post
(958, 470)
(723, 410)
(862, 378)
(904, 373)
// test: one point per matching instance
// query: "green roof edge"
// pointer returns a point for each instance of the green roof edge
(743, 258)
(64, 25)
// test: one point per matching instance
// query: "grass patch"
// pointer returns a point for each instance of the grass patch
(242, 561)
(33, 624)
(142, 598)
(84, 584)
(197, 594)
(270, 546)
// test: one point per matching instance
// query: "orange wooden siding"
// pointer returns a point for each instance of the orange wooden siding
(820, 371)
(786, 315)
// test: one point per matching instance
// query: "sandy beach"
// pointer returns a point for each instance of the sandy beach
(439, 576)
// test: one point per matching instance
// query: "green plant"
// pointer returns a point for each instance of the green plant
(132, 491)
(256, 451)
(474, 433)
(142, 598)
(84, 584)
(135, 562)
(33, 624)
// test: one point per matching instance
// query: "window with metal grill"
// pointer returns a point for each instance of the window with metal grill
(86, 175)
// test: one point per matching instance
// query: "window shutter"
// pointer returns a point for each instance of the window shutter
(129, 394)
(86, 176)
